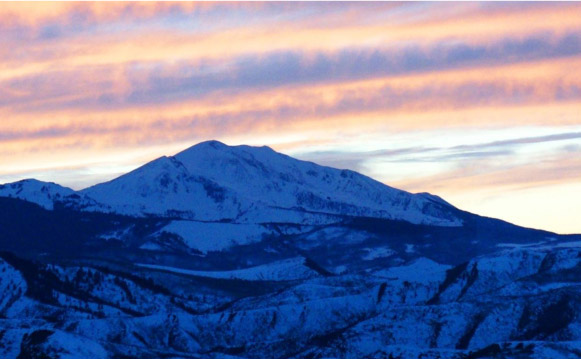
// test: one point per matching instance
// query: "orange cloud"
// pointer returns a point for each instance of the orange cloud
(171, 45)
(483, 96)
(499, 174)
(299, 107)
(35, 13)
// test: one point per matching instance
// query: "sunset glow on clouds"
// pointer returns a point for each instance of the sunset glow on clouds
(479, 103)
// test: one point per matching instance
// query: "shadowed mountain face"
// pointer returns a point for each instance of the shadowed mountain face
(243, 252)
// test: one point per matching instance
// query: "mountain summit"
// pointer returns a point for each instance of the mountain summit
(213, 181)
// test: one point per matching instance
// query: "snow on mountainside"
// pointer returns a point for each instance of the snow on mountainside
(212, 181)
(518, 303)
(45, 194)
(289, 269)
(241, 252)
(206, 237)
(165, 187)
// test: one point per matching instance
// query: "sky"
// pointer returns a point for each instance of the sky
(479, 103)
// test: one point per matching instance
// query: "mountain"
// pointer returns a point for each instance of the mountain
(213, 181)
(242, 252)
(44, 194)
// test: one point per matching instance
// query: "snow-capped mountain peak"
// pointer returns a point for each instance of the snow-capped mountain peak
(42, 193)
(211, 181)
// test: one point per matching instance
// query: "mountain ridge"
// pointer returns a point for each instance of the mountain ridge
(248, 177)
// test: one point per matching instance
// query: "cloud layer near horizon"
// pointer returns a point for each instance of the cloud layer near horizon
(477, 102)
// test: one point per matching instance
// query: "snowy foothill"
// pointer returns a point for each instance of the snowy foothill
(285, 270)
(206, 237)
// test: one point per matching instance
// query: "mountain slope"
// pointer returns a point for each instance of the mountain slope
(44, 194)
(165, 187)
